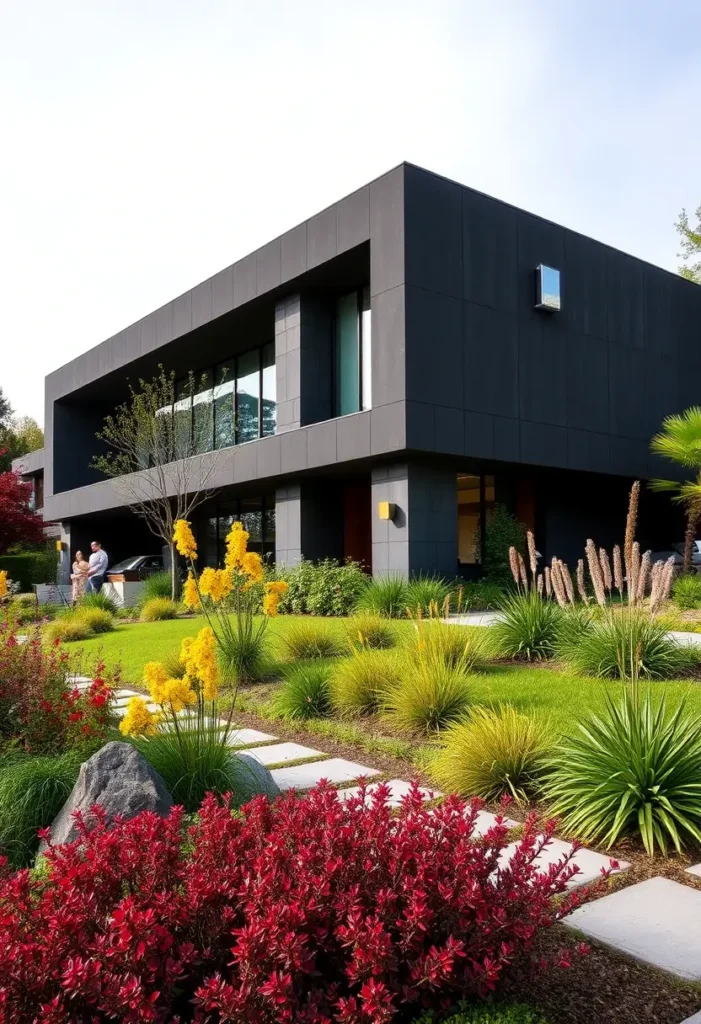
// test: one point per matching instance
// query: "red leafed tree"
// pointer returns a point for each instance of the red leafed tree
(18, 524)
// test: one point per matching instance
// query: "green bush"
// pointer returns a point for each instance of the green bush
(430, 695)
(30, 568)
(96, 619)
(461, 647)
(157, 585)
(32, 792)
(529, 631)
(485, 1013)
(157, 609)
(481, 596)
(370, 632)
(100, 600)
(305, 693)
(622, 644)
(327, 587)
(502, 531)
(385, 596)
(425, 592)
(359, 683)
(494, 752)
(68, 628)
(196, 761)
(308, 638)
(632, 768)
(686, 592)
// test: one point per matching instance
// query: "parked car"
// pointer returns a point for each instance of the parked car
(138, 566)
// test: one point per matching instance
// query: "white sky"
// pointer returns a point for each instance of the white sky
(146, 144)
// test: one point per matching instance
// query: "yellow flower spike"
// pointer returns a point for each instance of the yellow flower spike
(3, 584)
(252, 566)
(138, 720)
(155, 676)
(236, 546)
(184, 539)
(218, 583)
(178, 693)
(191, 599)
(200, 658)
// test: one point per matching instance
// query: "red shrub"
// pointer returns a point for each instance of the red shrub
(309, 910)
(39, 707)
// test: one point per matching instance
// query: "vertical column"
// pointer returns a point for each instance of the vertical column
(288, 525)
(63, 571)
(423, 536)
(287, 363)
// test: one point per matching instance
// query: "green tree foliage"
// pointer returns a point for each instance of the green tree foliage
(679, 441)
(18, 435)
(690, 238)
(502, 531)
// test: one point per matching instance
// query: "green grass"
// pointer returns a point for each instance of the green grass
(562, 695)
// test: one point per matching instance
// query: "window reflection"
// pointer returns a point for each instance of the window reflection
(248, 396)
(475, 502)
(224, 405)
(202, 414)
(268, 407)
(257, 516)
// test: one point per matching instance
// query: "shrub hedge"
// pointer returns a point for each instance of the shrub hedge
(327, 587)
(30, 568)
(302, 910)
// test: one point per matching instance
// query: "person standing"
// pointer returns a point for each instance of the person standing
(79, 577)
(97, 567)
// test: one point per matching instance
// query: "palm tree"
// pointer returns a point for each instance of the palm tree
(680, 441)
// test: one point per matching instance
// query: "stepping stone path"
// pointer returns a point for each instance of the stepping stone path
(334, 770)
(590, 864)
(657, 921)
(281, 752)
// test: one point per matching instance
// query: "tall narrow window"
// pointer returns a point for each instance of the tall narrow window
(248, 396)
(268, 405)
(365, 350)
(182, 419)
(224, 405)
(347, 355)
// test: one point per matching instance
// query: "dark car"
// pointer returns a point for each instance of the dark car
(140, 566)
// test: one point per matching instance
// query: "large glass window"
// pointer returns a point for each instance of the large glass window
(224, 405)
(475, 501)
(202, 414)
(366, 351)
(352, 353)
(257, 516)
(268, 392)
(248, 396)
(182, 418)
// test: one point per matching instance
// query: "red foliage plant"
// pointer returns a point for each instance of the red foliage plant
(40, 709)
(18, 524)
(310, 910)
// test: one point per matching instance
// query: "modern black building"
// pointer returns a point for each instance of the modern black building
(395, 365)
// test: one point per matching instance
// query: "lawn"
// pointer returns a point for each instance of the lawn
(561, 695)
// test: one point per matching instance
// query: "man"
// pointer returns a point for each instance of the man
(97, 567)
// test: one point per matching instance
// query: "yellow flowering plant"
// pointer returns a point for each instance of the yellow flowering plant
(229, 598)
(4, 586)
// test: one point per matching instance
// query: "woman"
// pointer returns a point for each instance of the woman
(79, 577)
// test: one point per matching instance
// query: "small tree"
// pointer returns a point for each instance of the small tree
(159, 451)
(680, 442)
(501, 532)
(18, 523)
(18, 436)
(690, 238)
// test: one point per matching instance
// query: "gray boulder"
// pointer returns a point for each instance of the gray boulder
(253, 778)
(117, 778)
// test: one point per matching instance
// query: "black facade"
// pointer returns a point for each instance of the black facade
(411, 303)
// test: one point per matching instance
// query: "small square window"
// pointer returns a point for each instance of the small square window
(547, 288)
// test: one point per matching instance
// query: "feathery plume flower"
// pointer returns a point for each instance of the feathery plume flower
(634, 572)
(540, 583)
(631, 524)
(567, 580)
(532, 554)
(597, 578)
(618, 570)
(522, 571)
(548, 583)
(581, 582)
(513, 564)
(558, 583)
(606, 569)
(643, 576)
(656, 585)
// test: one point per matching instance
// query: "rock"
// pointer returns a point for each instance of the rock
(117, 778)
(254, 778)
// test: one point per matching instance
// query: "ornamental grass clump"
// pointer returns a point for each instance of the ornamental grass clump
(634, 768)
(229, 599)
(158, 609)
(430, 695)
(96, 619)
(305, 693)
(426, 591)
(32, 792)
(460, 647)
(528, 631)
(309, 638)
(359, 683)
(493, 753)
(385, 596)
(310, 910)
(686, 592)
(370, 632)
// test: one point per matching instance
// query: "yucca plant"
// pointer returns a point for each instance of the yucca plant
(370, 632)
(309, 638)
(359, 683)
(305, 693)
(621, 644)
(633, 768)
(495, 752)
(431, 695)
(528, 631)
(385, 596)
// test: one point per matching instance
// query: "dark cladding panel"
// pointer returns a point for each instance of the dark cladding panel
(587, 392)
(294, 253)
(543, 396)
(490, 252)
(433, 232)
(490, 361)
(627, 392)
(353, 219)
(434, 347)
(584, 274)
(321, 237)
(387, 232)
(625, 305)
